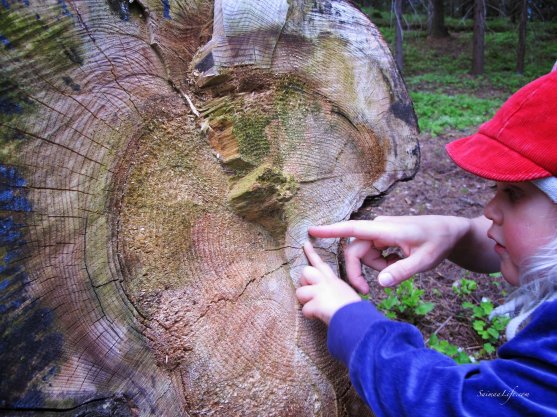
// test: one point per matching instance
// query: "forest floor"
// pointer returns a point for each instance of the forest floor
(440, 187)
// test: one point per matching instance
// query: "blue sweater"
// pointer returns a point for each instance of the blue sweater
(398, 376)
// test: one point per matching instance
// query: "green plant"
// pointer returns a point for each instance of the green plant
(405, 302)
(455, 352)
(498, 284)
(464, 287)
(490, 331)
(437, 111)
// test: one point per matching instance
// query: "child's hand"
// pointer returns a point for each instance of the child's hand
(424, 240)
(321, 291)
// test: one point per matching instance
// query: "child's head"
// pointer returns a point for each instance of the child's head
(524, 220)
(518, 149)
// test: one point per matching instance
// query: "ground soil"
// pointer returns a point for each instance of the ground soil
(440, 187)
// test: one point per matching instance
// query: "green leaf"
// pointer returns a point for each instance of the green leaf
(424, 308)
(389, 302)
(478, 325)
(494, 333)
(450, 349)
(462, 358)
(478, 312)
(489, 348)
(487, 307)
(390, 315)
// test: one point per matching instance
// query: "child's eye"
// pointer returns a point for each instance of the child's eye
(512, 193)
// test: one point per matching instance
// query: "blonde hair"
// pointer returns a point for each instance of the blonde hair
(538, 284)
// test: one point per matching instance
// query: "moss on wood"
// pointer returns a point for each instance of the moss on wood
(261, 195)
(50, 37)
(249, 129)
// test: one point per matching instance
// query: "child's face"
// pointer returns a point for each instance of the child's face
(524, 219)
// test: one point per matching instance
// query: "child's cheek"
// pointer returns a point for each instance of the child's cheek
(516, 252)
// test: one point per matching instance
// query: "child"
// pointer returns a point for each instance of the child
(389, 365)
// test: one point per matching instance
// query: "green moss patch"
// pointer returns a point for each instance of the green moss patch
(261, 195)
(249, 130)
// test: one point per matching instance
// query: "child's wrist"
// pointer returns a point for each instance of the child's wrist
(348, 326)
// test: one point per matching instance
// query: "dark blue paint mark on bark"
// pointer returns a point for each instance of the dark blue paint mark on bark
(11, 200)
(73, 55)
(5, 282)
(29, 344)
(166, 8)
(12, 101)
(12, 195)
(71, 83)
(50, 373)
(7, 106)
(65, 9)
(126, 9)
(6, 42)
(7, 3)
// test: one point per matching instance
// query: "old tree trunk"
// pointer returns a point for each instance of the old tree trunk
(160, 165)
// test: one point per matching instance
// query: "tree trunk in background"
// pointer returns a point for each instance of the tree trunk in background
(437, 27)
(521, 48)
(478, 45)
(399, 51)
(160, 163)
(515, 7)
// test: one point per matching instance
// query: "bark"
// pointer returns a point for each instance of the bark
(478, 45)
(160, 164)
(521, 47)
(437, 27)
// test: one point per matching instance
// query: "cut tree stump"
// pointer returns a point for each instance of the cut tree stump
(160, 165)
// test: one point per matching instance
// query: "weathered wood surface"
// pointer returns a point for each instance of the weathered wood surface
(160, 164)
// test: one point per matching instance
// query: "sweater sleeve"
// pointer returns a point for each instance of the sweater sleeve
(397, 375)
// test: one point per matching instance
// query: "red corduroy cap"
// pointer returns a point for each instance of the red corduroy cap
(520, 142)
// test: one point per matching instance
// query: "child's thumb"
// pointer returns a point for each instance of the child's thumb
(399, 271)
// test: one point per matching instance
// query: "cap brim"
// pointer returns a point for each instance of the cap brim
(489, 158)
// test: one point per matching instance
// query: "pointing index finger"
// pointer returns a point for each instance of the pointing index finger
(361, 229)
(313, 258)
(342, 229)
(317, 262)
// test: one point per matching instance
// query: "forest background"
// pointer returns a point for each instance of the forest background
(438, 49)
(460, 60)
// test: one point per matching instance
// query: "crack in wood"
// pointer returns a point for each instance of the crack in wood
(36, 136)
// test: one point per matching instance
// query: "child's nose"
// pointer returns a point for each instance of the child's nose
(492, 212)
